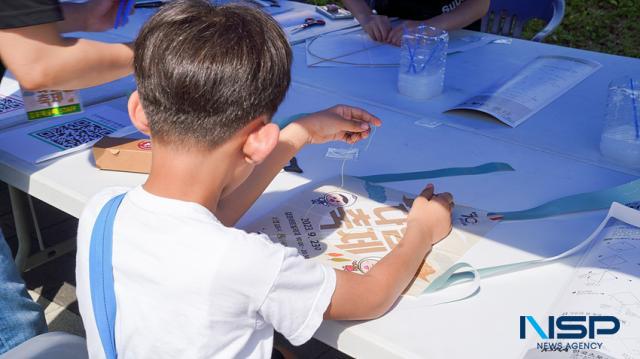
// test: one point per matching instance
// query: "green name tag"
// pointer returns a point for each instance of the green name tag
(51, 103)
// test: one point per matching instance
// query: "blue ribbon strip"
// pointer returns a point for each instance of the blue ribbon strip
(583, 202)
(443, 172)
(455, 274)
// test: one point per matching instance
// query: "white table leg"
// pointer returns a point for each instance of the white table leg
(21, 214)
(25, 219)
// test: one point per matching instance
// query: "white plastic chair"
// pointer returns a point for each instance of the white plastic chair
(54, 345)
(508, 17)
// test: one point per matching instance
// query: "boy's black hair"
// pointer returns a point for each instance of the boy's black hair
(204, 72)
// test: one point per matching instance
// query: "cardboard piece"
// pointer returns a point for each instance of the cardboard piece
(123, 154)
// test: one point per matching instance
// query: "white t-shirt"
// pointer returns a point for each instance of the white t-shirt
(186, 286)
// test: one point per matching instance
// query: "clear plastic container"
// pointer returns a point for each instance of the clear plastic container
(620, 140)
(423, 58)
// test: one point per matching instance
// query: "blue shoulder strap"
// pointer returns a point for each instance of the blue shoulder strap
(103, 297)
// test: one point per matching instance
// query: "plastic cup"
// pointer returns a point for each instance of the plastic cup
(423, 57)
(620, 141)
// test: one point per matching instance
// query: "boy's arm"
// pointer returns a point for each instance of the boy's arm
(235, 204)
(463, 15)
(377, 290)
(344, 123)
(40, 58)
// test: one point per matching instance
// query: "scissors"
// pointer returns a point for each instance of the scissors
(308, 22)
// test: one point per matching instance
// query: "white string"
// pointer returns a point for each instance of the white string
(335, 59)
(306, 214)
(373, 132)
(344, 161)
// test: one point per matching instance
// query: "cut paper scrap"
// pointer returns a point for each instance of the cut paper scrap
(443, 172)
(350, 153)
(354, 48)
(346, 229)
(583, 202)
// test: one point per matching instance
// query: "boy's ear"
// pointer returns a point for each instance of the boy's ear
(260, 143)
(136, 114)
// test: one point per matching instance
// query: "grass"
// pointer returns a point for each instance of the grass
(611, 26)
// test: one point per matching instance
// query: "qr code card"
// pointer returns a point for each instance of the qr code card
(10, 106)
(72, 134)
(40, 141)
(51, 103)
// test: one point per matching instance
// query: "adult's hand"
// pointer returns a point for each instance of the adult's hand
(395, 36)
(377, 26)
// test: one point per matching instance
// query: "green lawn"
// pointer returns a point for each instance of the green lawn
(611, 26)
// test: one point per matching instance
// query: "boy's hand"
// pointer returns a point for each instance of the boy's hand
(432, 212)
(338, 123)
(377, 26)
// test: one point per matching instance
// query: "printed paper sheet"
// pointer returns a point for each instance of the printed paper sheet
(606, 282)
(532, 88)
(353, 227)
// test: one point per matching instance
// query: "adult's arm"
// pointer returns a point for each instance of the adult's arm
(465, 14)
(40, 58)
(358, 8)
(377, 26)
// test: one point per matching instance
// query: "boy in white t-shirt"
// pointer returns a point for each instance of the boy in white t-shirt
(187, 284)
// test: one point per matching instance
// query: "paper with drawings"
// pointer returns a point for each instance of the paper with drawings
(606, 282)
(533, 87)
(46, 139)
(354, 226)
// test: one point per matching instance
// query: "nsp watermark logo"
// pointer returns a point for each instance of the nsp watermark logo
(570, 327)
